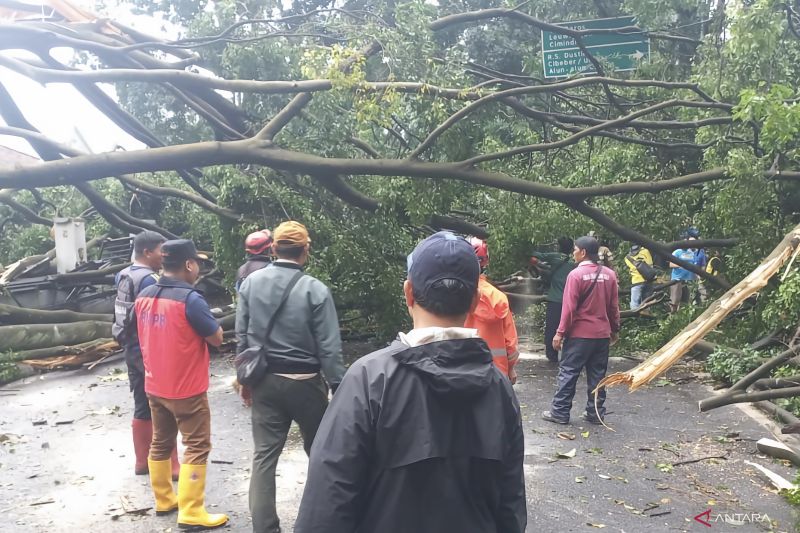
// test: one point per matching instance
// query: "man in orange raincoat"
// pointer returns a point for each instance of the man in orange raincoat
(493, 319)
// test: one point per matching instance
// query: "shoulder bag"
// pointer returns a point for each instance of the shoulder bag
(646, 271)
(251, 364)
(583, 296)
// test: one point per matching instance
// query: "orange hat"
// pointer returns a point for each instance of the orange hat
(291, 233)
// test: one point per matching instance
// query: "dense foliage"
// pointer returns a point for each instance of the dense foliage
(747, 56)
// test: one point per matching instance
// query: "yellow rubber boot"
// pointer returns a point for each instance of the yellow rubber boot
(192, 513)
(161, 481)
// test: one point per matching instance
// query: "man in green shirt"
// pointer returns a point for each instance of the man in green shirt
(554, 267)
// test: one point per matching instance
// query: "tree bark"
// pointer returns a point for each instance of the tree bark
(10, 315)
(55, 351)
(745, 397)
(738, 391)
(33, 336)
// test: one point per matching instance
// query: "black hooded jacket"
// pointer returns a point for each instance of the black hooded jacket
(419, 440)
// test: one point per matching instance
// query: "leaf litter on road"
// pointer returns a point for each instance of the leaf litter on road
(567, 455)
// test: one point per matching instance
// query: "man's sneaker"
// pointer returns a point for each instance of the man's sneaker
(550, 418)
(592, 419)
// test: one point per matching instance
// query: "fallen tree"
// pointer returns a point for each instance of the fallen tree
(10, 314)
(767, 389)
(684, 341)
(52, 351)
(397, 127)
(253, 130)
(32, 336)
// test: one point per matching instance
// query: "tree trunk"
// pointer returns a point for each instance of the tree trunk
(32, 336)
(10, 314)
(738, 391)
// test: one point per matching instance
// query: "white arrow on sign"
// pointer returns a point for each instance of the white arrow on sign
(637, 56)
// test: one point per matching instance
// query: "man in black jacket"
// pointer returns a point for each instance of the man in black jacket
(425, 435)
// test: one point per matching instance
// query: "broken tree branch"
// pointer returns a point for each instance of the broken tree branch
(698, 459)
(636, 237)
(738, 391)
(54, 351)
(671, 352)
(196, 199)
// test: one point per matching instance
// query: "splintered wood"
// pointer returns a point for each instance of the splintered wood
(91, 352)
(676, 348)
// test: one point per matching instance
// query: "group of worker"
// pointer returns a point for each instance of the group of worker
(433, 414)
(644, 273)
(555, 266)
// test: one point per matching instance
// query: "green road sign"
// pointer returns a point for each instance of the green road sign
(561, 56)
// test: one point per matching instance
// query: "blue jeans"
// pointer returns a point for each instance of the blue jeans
(637, 291)
(576, 355)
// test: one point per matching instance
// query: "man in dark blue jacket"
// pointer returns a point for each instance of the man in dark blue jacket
(424, 435)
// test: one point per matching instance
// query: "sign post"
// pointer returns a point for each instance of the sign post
(561, 56)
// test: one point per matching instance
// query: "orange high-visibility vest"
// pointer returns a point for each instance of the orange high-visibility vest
(495, 323)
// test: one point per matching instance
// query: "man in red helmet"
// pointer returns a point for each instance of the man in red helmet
(492, 318)
(258, 246)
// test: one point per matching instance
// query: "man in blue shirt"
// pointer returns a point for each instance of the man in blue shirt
(680, 275)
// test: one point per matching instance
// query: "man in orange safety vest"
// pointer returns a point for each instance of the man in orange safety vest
(493, 319)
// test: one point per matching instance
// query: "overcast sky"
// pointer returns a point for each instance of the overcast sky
(61, 112)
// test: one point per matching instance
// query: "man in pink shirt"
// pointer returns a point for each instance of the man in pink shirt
(589, 324)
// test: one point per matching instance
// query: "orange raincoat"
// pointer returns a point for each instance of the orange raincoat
(495, 324)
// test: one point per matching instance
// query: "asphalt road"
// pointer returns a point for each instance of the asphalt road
(74, 472)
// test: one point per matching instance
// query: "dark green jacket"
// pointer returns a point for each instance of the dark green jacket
(560, 266)
(305, 337)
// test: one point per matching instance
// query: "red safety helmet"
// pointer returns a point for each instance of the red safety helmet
(481, 250)
(259, 242)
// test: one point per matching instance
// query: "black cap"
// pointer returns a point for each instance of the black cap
(442, 256)
(177, 251)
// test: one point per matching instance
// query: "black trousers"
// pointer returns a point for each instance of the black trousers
(276, 402)
(552, 318)
(135, 364)
(591, 354)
